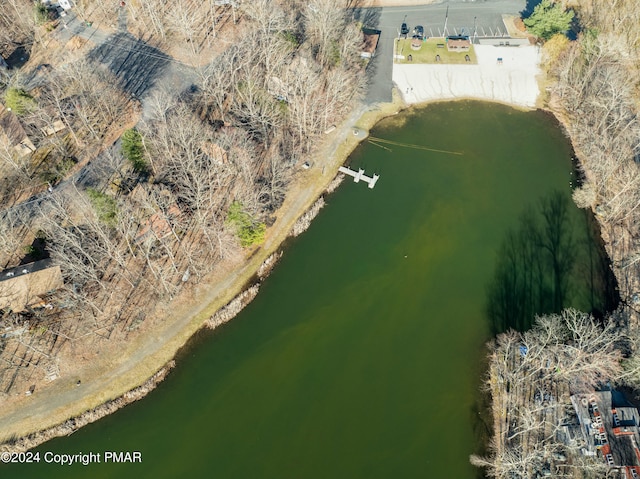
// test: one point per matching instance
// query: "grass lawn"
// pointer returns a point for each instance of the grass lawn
(429, 50)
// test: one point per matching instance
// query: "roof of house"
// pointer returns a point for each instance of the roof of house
(214, 151)
(12, 130)
(57, 126)
(371, 38)
(158, 224)
(458, 42)
(608, 429)
(23, 285)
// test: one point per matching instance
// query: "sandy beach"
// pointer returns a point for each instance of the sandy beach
(513, 80)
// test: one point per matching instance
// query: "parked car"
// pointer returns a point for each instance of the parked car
(418, 32)
(404, 30)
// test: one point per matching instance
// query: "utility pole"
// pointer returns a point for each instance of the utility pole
(446, 18)
(397, 45)
(475, 30)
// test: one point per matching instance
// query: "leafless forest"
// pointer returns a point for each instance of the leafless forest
(594, 90)
(205, 171)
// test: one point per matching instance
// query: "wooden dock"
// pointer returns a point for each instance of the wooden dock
(360, 176)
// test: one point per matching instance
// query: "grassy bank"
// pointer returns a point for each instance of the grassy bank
(429, 50)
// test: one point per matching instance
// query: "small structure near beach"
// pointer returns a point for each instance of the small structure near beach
(459, 43)
(371, 38)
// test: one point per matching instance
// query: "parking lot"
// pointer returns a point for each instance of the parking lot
(483, 17)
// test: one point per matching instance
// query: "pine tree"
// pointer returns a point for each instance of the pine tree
(549, 18)
(133, 150)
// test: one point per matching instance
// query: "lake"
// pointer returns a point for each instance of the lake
(363, 354)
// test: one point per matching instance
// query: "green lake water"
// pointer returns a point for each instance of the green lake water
(362, 355)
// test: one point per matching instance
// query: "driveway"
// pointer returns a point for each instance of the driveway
(481, 16)
(72, 26)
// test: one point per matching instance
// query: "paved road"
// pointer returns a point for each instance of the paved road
(71, 25)
(486, 14)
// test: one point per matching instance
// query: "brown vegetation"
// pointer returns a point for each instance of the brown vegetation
(531, 378)
(129, 236)
(594, 91)
(73, 424)
(17, 25)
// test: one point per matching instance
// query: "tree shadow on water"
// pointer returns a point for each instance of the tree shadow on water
(546, 265)
(595, 270)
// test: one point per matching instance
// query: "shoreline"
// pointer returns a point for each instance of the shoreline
(219, 306)
(606, 229)
(244, 291)
(72, 424)
(513, 80)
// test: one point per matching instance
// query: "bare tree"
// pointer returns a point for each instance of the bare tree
(87, 99)
(325, 20)
(12, 232)
(17, 25)
(531, 376)
(13, 162)
(189, 159)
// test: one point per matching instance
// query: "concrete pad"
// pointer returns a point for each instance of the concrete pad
(512, 81)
